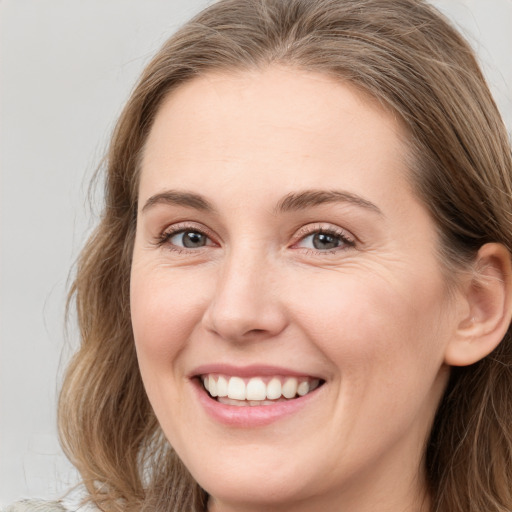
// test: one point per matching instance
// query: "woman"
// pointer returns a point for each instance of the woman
(299, 294)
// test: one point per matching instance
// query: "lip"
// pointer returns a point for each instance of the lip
(248, 371)
(248, 416)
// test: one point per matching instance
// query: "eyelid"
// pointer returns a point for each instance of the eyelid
(319, 227)
(174, 229)
(348, 240)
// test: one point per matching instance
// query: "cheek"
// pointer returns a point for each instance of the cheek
(165, 309)
(385, 341)
(376, 323)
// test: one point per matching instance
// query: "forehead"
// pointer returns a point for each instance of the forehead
(278, 125)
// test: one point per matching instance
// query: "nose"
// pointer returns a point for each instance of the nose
(246, 303)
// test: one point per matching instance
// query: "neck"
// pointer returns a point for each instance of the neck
(412, 497)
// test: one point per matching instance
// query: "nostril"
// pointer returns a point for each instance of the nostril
(243, 307)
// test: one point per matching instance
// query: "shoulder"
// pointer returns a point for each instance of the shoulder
(72, 502)
(35, 506)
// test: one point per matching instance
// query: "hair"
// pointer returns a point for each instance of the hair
(406, 55)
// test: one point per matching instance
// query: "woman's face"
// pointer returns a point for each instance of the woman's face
(282, 256)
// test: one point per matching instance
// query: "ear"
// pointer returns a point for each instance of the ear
(488, 310)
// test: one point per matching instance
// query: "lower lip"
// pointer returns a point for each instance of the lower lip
(250, 415)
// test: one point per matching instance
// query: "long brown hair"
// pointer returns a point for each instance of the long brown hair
(407, 56)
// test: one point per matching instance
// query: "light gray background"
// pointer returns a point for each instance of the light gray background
(66, 68)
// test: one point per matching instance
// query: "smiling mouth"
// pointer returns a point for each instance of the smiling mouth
(255, 391)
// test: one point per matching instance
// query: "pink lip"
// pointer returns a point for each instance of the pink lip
(246, 371)
(248, 416)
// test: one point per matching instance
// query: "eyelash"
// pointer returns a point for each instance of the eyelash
(165, 237)
(347, 241)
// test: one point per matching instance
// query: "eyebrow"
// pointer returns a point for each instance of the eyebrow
(175, 197)
(291, 202)
(308, 198)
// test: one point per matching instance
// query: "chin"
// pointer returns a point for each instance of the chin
(262, 477)
(262, 491)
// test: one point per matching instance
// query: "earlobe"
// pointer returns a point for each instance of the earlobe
(489, 312)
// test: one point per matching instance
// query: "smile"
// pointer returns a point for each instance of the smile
(257, 391)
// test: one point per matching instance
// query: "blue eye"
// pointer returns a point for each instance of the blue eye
(188, 239)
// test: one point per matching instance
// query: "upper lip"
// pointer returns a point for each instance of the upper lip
(254, 370)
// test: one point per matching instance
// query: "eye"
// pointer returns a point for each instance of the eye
(180, 237)
(188, 239)
(326, 240)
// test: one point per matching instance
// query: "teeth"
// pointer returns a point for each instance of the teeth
(274, 389)
(236, 388)
(303, 388)
(212, 385)
(261, 402)
(290, 388)
(222, 386)
(254, 391)
(246, 403)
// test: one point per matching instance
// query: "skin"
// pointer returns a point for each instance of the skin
(372, 317)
